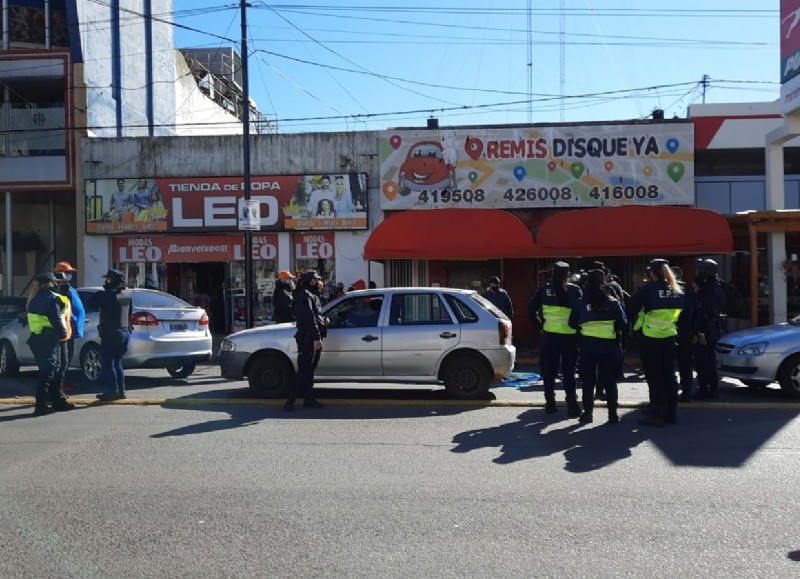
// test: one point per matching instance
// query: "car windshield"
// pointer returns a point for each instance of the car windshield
(495, 311)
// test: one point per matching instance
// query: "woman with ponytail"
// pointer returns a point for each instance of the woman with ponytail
(656, 307)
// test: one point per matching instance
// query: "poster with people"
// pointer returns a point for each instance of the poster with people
(124, 205)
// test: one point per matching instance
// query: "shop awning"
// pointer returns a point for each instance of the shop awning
(465, 234)
(635, 230)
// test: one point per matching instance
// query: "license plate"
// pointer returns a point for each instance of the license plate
(178, 327)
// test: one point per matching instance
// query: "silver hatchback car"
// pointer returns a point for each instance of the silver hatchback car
(415, 335)
(166, 333)
(760, 356)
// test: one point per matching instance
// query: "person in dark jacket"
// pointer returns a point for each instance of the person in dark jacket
(709, 306)
(550, 307)
(48, 326)
(684, 350)
(600, 320)
(499, 297)
(63, 272)
(311, 330)
(656, 307)
(283, 298)
(114, 329)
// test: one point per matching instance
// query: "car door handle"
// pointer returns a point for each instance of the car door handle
(448, 335)
(370, 338)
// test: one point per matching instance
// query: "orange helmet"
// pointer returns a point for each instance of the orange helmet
(64, 266)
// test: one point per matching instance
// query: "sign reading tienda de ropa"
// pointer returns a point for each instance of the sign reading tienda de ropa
(551, 166)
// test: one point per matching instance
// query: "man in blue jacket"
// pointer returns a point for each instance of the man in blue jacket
(63, 273)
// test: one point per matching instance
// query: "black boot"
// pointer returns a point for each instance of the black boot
(288, 406)
(586, 418)
(550, 406)
(613, 417)
(573, 410)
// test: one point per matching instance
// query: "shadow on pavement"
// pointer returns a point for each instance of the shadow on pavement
(707, 439)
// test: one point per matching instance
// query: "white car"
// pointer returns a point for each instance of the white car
(418, 335)
(166, 333)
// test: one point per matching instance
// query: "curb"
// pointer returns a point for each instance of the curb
(699, 405)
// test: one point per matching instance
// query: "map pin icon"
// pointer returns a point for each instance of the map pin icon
(672, 145)
(675, 171)
(520, 172)
(609, 166)
(474, 147)
(576, 169)
(473, 176)
(551, 166)
(395, 141)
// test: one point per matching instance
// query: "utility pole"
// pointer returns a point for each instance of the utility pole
(248, 233)
(705, 82)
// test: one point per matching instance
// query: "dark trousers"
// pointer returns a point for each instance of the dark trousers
(307, 360)
(47, 352)
(685, 355)
(113, 345)
(600, 370)
(658, 363)
(558, 351)
(705, 362)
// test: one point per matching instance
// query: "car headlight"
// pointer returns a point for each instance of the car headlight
(227, 346)
(754, 349)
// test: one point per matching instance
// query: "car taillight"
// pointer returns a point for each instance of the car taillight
(143, 319)
(503, 331)
(204, 319)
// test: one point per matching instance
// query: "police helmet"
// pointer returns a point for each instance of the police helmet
(710, 267)
(308, 276)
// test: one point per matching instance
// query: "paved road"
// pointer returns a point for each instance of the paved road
(524, 389)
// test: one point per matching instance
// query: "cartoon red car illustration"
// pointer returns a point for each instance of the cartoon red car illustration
(425, 168)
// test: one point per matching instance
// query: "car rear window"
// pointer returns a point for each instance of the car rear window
(463, 312)
(150, 299)
(487, 305)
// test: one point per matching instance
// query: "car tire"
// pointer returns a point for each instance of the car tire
(9, 365)
(467, 378)
(182, 370)
(91, 364)
(270, 377)
(789, 376)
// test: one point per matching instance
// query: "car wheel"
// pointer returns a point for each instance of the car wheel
(270, 377)
(91, 364)
(789, 376)
(9, 365)
(182, 370)
(466, 378)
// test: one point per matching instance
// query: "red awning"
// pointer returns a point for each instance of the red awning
(635, 230)
(466, 234)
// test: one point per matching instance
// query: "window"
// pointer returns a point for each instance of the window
(358, 312)
(463, 312)
(417, 309)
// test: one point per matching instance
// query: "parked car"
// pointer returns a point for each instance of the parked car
(10, 308)
(760, 356)
(417, 335)
(166, 333)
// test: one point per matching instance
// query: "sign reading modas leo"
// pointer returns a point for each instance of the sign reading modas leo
(191, 248)
(540, 166)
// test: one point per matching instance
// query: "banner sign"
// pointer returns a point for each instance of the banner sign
(191, 248)
(559, 166)
(211, 204)
(314, 246)
(790, 55)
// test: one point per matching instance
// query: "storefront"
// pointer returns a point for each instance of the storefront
(181, 235)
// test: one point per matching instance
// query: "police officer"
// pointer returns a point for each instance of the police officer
(114, 303)
(656, 307)
(600, 320)
(499, 297)
(311, 329)
(685, 339)
(709, 306)
(551, 307)
(48, 324)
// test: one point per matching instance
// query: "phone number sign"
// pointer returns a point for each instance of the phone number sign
(561, 166)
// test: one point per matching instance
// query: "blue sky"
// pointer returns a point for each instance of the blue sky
(335, 65)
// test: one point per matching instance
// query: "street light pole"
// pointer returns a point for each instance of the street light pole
(248, 233)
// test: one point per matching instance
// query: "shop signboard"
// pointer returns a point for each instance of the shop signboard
(790, 55)
(561, 166)
(211, 204)
(191, 248)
